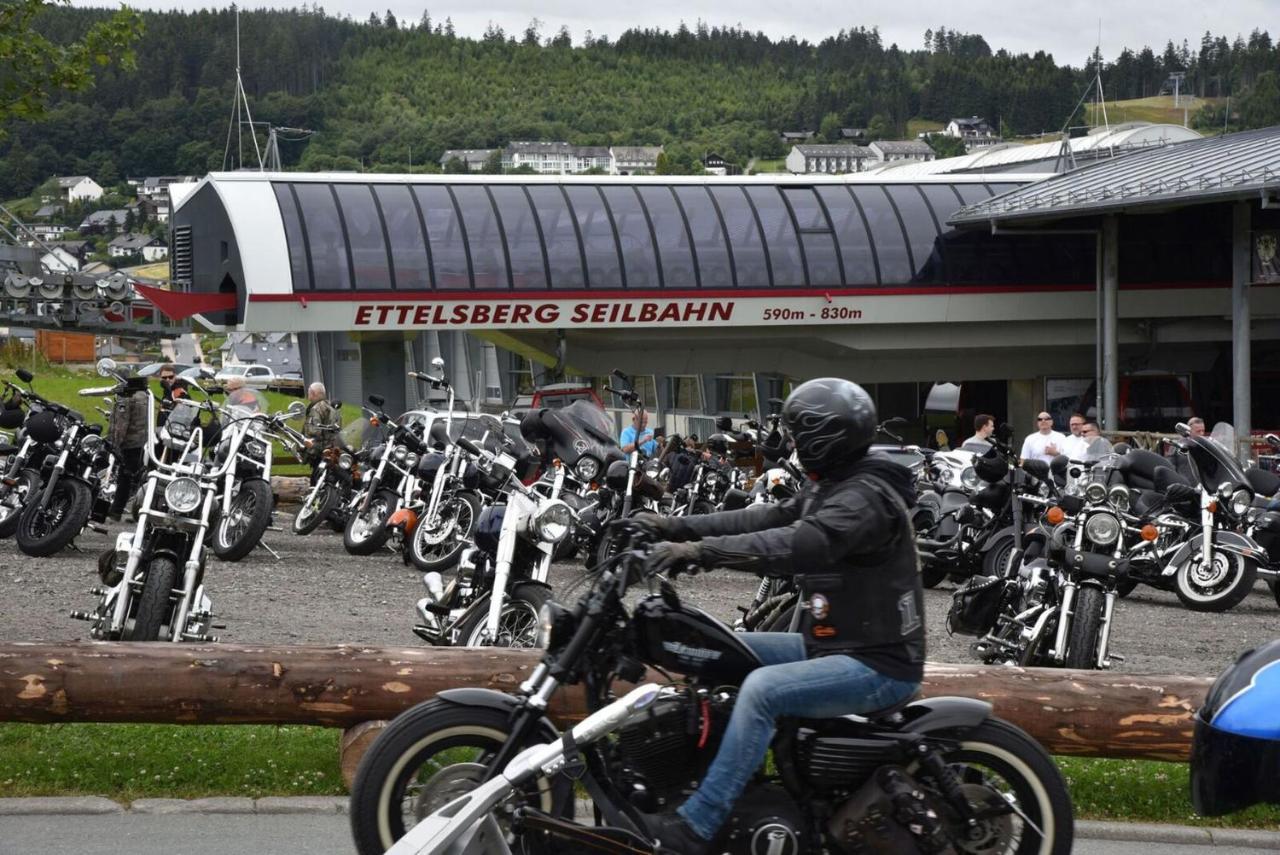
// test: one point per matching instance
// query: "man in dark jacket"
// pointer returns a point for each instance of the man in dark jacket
(847, 539)
(127, 433)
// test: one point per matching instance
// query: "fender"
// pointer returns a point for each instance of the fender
(494, 700)
(1229, 541)
(944, 713)
(995, 537)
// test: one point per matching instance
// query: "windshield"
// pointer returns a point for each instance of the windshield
(234, 369)
(1097, 449)
(592, 419)
(1214, 462)
(243, 402)
(361, 433)
(185, 412)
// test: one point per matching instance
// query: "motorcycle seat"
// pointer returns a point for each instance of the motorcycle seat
(1264, 483)
(884, 715)
(1146, 502)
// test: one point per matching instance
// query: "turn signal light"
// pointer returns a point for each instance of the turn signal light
(1213, 506)
(1150, 532)
(1055, 515)
(373, 422)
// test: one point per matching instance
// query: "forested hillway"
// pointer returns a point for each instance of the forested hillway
(383, 94)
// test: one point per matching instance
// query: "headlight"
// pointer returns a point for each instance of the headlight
(1241, 500)
(410, 460)
(345, 460)
(551, 523)
(399, 453)
(183, 495)
(969, 478)
(255, 448)
(178, 430)
(1095, 493)
(91, 443)
(555, 626)
(1119, 497)
(587, 468)
(1102, 529)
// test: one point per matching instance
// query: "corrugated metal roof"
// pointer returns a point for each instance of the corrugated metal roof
(1230, 166)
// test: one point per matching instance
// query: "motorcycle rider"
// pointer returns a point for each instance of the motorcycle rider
(847, 537)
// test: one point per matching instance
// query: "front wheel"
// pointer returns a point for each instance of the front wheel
(239, 531)
(437, 547)
(1020, 795)
(517, 622)
(14, 499)
(367, 530)
(316, 508)
(155, 603)
(1218, 587)
(1086, 621)
(43, 530)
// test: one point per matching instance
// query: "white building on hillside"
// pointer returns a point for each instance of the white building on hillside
(888, 151)
(634, 159)
(75, 188)
(473, 158)
(556, 157)
(834, 159)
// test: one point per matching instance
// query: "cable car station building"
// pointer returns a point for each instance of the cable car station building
(718, 292)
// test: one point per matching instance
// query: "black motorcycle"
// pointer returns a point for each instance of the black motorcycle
(38, 430)
(480, 771)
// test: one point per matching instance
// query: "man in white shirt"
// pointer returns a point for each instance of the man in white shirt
(1046, 443)
(1076, 445)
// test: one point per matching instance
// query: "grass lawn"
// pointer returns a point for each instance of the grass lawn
(775, 165)
(129, 761)
(920, 126)
(1158, 109)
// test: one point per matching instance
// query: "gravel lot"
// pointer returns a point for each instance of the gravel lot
(316, 593)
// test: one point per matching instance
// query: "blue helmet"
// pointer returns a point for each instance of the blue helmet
(1235, 753)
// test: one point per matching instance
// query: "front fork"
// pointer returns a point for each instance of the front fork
(124, 588)
(1059, 651)
(1206, 528)
(190, 573)
(506, 554)
(319, 483)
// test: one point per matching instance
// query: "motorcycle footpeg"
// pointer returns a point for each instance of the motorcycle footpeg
(98, 527)
(79, 615)
(429, 634)
(598, 839)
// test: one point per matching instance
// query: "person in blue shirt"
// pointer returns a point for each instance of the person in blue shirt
(637, 433)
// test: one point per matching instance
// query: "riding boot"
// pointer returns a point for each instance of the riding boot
(674, 836)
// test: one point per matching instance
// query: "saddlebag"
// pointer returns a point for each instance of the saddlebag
(976, 605)
(889, 814)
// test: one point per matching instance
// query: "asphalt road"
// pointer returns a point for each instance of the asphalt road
(316, 593)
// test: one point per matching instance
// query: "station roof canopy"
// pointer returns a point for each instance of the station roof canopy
(1235, 166)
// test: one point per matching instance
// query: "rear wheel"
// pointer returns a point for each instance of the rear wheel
(933, 573)
(14, 499)
(437, 547)
(316, 508)
(1086, 621)
(367, 530)
(239, 531)
(517, 622)
(45, 530)
(155, 603)
(995, 561)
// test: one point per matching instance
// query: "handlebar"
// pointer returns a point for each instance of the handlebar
(97, 391)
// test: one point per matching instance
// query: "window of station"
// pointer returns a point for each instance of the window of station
(673, 239)
(736, 395)
(815, 232)
(329, 265)
(744, 237)
(404, 230)
(523, 242)
(972, 194)
(559, 235)
(488, 265)
(639, 261)
(293, 235)
(886, 233)
(444, 231)
(779, 236)
(604, 270)
(708, 238)
(921, 230)
(851, 235)
(684, 393)
(364, 237)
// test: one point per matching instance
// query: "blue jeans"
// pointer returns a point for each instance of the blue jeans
(787, 685)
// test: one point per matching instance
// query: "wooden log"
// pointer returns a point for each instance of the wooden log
(1085, 713)
(290, 489)
(355, 742)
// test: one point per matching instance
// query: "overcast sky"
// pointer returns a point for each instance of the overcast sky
(1066, 28)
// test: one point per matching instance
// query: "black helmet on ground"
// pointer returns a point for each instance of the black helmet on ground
(718, 443)
(832, 422)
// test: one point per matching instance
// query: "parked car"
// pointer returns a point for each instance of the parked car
(152, 369)
(257, 376)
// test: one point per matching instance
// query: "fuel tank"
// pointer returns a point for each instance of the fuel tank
(680, 638)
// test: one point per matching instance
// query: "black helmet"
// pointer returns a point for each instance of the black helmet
(990, 467)
(832, 422)
(718, 443)
(44, 427)
(1236, 748)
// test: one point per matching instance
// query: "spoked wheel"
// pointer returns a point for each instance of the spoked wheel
(367, 531)
(437, 547)
(1014, 786)
(45, 530)
(1215, 587)
(14, 499)
(316, 509)
(1086, 622)
(517, 622)
(428, 756)
(155, 603)
(239, 531)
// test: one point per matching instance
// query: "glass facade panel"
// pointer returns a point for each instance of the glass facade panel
(604, 270)
(444, 231)
(779, 236)
(744, 237)
(293, 235)
(891, 247)
(820, 255)
(563, 253)
(633, 232)
(488, 264)
(708, 237)
(364, 237)
(736, 395)
(673, 239)
(851, 233)
(684, 393)
(942, 198)
(804, 204)
(972, 194)
(324, 237)
(408, 244)
(523, 243)
(921, 231)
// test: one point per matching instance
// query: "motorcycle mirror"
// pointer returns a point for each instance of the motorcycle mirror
(1183, 429)
(1273, 440)
(295, 409)
(437, 364)
(377, 400)
(618, 373)
(25, 376)
(106, 366)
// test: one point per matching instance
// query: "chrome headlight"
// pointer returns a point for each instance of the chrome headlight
(969, 478)
(1119, 497)
(1095, 493)
(345, 460)
(183, 495)
(6, 438)
(90, 443)
(1102, 529)
(555, 626)
(1241, 500)
(552, 521)
(410, 460)
(399, 453)
(255, 448)
(587, 468)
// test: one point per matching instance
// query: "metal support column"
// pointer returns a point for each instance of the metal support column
(1110, 311)
(1241, 369)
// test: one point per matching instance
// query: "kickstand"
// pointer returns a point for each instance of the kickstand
(262, 544)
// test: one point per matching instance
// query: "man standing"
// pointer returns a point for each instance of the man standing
(321, 419)
(1197, 425)
(127, 431)
(1076, 444)
(637, 434)
(983, 426)
(1046, 443)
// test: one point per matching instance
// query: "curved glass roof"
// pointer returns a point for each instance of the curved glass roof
(347, 234)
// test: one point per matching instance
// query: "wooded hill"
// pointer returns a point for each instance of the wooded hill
(380, 92)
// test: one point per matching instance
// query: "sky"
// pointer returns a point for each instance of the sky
(1066, 28)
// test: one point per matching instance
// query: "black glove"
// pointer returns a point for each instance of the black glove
(674, 558)
(774, 446)
(648, 527)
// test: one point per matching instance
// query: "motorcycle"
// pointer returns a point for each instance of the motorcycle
(479, 771)
(246, 501)
(390, 482)
(153, 580)
(21, 480)
(501, 582)
(330, 481)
